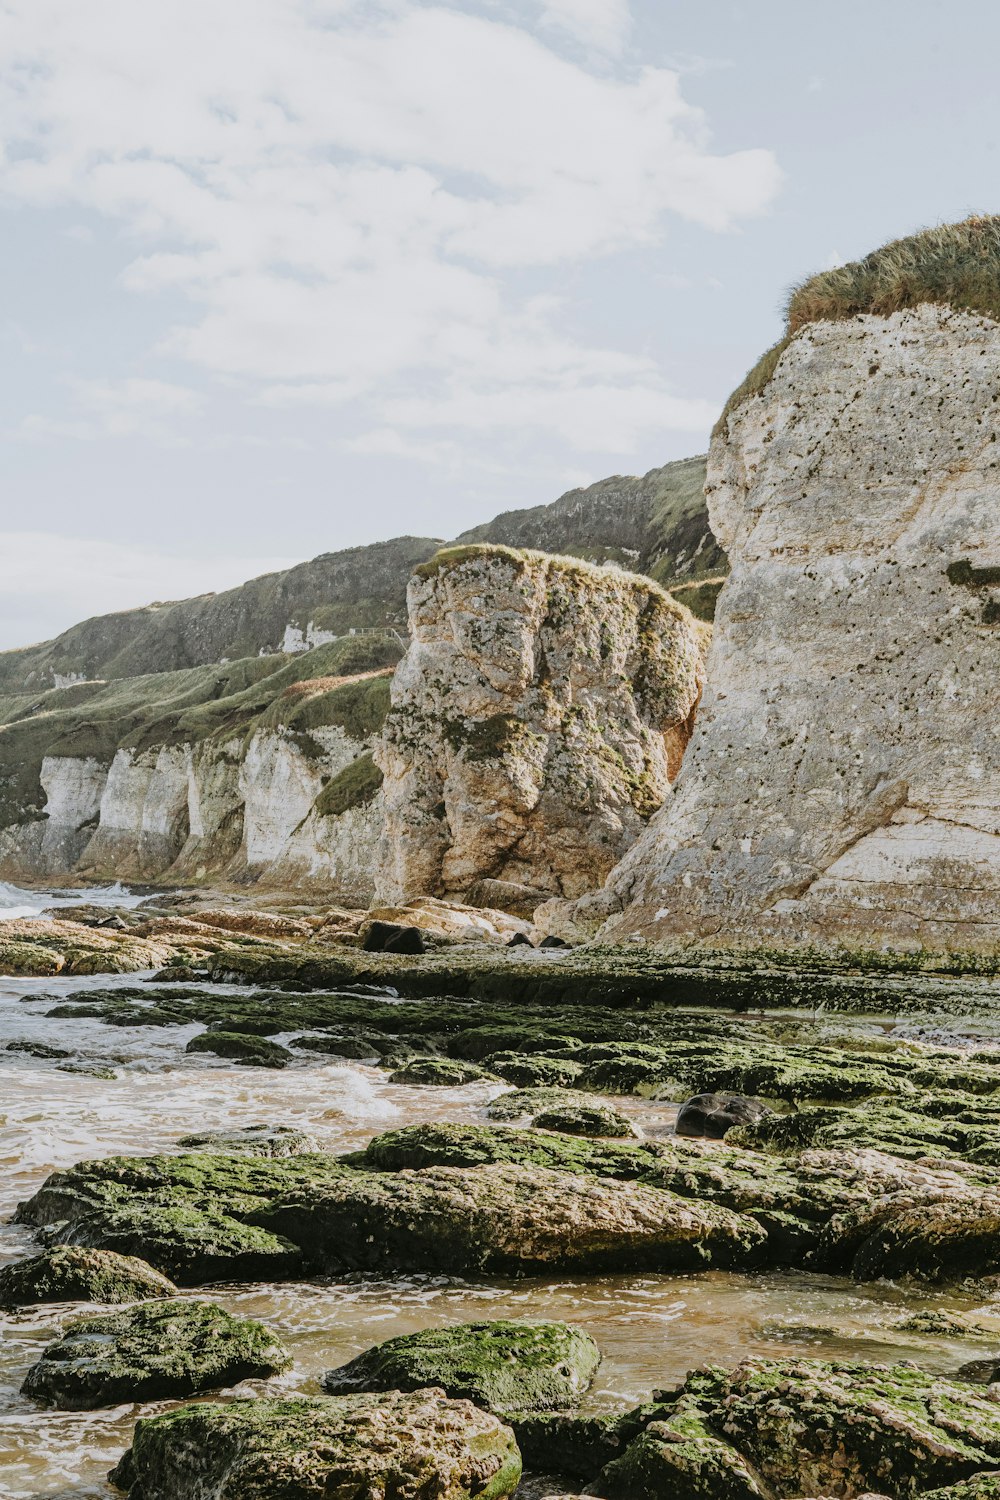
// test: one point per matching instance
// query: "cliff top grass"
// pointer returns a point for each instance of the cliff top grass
(954, 265)
(552, 563)
(171, 708)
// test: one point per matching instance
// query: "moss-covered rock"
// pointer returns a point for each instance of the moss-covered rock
(680, 1457)
(445, 1072)
(398, 1446)
(811, 1428)
(191, 1245)
(506, 1219)
(585, 1119)
(73, 1274)
(937, 1235)
(979, 1487)
(252, 1140)
(478, 1042)
(152, 1352)
(500, 1365)
(254, 1051)
(534, 1071)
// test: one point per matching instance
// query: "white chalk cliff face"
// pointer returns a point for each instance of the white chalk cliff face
(536, 722)
(843, 781)
(189, 812)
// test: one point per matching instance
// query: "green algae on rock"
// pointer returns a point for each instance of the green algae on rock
(508, 1220)
(500, 1365)
(809, 1427)
(252, 1140)
(680, 1456)
(444, 1072)
(72, 1274)
(148, 1353)
(585, 1119)
(254, 1051)
(396, 1446)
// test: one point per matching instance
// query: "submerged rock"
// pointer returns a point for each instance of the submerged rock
(395, 1446)
(500, 1365)
(156, 1351)
(73, 1274)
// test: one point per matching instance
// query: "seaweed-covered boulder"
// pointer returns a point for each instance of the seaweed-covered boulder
(445, 1072)
(680, 1457)
(713, 1115)
(593, 1120)
(811, 1428)
(534, 1071)
(506, 1219)
(252, 1140)
(979, 1487)
(936, 1234)
(191, 1245)
(70, 1273)
(525, 1104)
(501, 1365)
(148, 1353)
(241, 1047)
(477, 1042)
(397, 1446)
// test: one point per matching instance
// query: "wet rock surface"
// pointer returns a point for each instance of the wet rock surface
(390, 1447)
(157, 1350)
(72, 1274)
(504, 1366)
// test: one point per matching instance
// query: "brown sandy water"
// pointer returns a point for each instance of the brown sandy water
(652, 1329)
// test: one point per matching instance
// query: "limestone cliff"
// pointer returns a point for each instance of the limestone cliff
(253, 771)
(536, 722)
(843, 781)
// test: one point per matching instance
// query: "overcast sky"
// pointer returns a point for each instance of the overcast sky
(283, 276)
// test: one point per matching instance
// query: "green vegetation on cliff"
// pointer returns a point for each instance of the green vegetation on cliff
(955, 265)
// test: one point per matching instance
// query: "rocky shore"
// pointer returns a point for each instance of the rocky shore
(854, 1143)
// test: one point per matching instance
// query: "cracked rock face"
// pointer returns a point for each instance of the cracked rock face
(843, 781)
(537, 721)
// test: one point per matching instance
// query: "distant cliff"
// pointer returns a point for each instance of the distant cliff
(656, 525)
(255, 770)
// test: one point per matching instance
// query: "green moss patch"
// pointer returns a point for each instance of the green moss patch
(354, 786)
(500, 1365)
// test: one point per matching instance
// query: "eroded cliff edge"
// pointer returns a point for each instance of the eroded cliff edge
(843, 780)
(537, 721)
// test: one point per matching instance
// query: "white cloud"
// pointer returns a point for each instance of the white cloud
(125, 408)
(602, 24)
(79, 571)
(345, 193)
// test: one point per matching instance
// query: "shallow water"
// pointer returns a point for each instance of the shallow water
(17, 902)
(652, 1329)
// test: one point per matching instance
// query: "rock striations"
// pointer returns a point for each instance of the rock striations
(843, 782)
(536, 722)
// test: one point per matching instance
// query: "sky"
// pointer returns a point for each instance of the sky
(285, 276)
